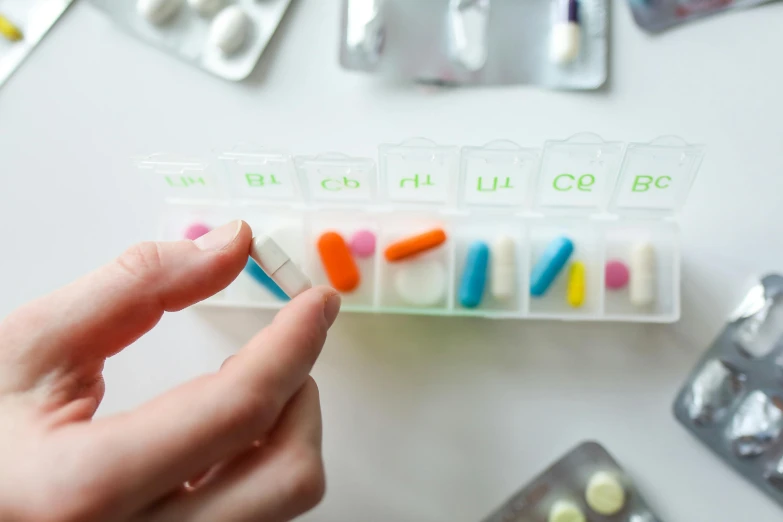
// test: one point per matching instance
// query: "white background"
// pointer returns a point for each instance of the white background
(426, 419)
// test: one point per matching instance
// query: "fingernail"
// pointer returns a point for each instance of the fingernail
(332, 308)
(219, 238)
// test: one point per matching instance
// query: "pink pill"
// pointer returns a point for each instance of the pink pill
(616, 274)
(196, 230)
(363, 243)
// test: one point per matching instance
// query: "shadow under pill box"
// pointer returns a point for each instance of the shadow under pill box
(579, 229)
(733, 400)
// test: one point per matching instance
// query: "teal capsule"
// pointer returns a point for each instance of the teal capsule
(474, 276)
(257, 273)
(549, 265)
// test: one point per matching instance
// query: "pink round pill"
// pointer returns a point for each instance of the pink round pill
(196, 230)
(363, 243)
(616, 274)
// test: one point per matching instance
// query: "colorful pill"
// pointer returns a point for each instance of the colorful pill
(9, 30)
(338, 262)
(502, 276)
(641, 288)
(363, 243)
(421, 282)
(474, 276)
(549, 265)
(576, 284)
(196, 230)
(415, 245)
(258, 274)
(616, 275)
(278, 266)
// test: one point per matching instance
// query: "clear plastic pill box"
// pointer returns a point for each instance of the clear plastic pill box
(604, 198)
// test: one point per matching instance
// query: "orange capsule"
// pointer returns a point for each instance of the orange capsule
(415, 245)
(338, 262)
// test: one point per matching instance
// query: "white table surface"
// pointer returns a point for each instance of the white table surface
(426, 419)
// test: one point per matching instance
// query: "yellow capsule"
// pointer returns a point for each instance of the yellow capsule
(575, 294)
(9, 30)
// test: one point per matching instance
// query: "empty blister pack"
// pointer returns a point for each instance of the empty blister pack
(585, 484)
(224, 37)
(23, 23)
(658, 15)
(555, 43)
(733, 400)
(579, 229)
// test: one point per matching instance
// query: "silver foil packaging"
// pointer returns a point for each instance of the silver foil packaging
(658, 15)
(585, 484)
(733, 399)
(554, 43)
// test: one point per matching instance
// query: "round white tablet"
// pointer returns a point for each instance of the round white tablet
(565, 511)
(206, 7)
(604, 494)
(421, 283)
(157, 11)
(229, 29)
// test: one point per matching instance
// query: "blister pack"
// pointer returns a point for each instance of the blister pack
(224, 37)
(733, 400)
(586, 484)
(579, 229)
(555, 43)
(23, 23)
(658, 15)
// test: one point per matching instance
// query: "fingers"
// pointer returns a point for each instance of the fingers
(108, 309)
(276, 482)
(180, 434)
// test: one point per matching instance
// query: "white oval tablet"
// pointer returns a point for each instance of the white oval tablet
(604, 494)
(206, 7)
(229, 29)
(565, 511)
(157, 11)
(421, 283)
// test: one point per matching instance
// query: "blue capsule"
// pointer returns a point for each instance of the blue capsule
(474, 276)
(257, 273)
(549, 265)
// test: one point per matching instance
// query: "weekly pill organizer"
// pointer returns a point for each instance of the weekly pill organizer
(579, 229)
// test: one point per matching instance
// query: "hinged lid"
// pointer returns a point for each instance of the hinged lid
(498, 175)
(655, 177)
(336, 179)
(576, 174)
(256, 174)
(181, 179)
(418, 172)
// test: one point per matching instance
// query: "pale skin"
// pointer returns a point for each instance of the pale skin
(240, 444)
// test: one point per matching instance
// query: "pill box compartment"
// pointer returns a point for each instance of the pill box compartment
(484, 229)
(432, 269)
(346, 225)
(586, 241)
(620, 240)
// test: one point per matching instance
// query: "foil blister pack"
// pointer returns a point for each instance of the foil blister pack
(658, 15)
(555, 43)
(223, 37)
(733, 400)
(586, 484)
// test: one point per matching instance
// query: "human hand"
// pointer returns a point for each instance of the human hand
(246, 439)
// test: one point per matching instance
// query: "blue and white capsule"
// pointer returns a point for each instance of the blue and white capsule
(474, 276)
(549, 265)
(257, 273)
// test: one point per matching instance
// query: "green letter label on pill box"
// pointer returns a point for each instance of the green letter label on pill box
(185, 181)
(346, 179)
(261, 180)
(493, 177)
(338, 184)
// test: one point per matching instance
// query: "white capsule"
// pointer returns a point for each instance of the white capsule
(278, 266)
(641, 285)
(206, 7)
(229, 29)
(502, 275)
(157, 11)
(564, 43)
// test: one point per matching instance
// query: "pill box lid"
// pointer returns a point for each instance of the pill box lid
(576, 175)
(656, 177)
(336, 180)
(177, 178)
(255, 174)
(497, 177)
